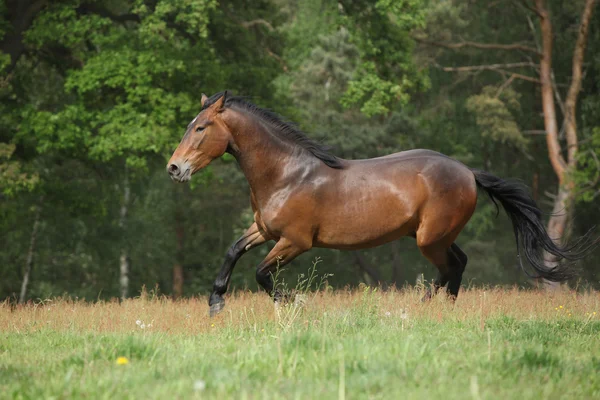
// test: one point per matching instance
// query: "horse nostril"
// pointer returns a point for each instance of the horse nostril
(173, 169)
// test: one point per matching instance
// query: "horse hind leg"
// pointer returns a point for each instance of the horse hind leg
(450, 263)
(438, 256)
(458, 262)
(283, 252)
(439, 282)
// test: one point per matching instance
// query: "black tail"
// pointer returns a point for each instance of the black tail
(530, 232)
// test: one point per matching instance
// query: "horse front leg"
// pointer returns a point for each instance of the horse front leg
(253, 237)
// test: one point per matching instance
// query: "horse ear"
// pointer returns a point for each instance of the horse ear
(220, 104)
(203, 100)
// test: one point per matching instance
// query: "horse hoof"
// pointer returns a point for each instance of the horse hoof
(216, 308)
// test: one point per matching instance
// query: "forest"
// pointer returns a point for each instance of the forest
(96, 95)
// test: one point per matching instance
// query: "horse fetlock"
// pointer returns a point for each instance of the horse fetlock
(215, 298)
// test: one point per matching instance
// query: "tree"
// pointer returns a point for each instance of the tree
(563, 156)
(114, 82)
(563, 204)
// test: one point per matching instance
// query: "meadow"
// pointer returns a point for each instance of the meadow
(347, 344)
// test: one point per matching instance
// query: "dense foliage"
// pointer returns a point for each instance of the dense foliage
(95, 95)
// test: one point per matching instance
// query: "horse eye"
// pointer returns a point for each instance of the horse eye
(199, 129)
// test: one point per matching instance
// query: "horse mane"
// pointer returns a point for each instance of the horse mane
(285, 129)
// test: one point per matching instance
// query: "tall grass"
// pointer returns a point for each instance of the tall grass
(247, 310)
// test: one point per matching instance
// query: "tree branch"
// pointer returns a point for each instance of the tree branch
(526, 78)
(575, 88)
(496, 67)
(469, 68)
(531, 8)
(485, 46)
(259, 21)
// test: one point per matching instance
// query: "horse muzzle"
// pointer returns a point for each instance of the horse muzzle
(179, 172)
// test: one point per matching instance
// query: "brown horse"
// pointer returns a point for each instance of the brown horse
(304, 197)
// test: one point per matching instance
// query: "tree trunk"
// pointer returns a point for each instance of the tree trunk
(396, 264)
(29, 261)
(178, 267)
(371, 271)
(557, 227)
(124, 258)
(563, 203)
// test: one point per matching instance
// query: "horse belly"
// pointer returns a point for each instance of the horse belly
(371, 219)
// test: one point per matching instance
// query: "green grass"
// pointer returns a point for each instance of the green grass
(355, 345)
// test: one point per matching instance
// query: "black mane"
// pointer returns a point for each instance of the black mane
(286, 129)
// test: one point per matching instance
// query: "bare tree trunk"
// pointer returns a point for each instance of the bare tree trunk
(557, 227)
(371, 271)
(124, 258)
(563, 203)
(29, 261)
(396, 264)
(178, 267)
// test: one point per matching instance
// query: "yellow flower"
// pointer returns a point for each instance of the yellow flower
(594, 313)
(212, 325)
(559, 306)
(556, 308)
(122, 361)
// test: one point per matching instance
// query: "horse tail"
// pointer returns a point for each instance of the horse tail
(530, 233)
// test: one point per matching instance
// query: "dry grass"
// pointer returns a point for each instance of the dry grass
(248, 310)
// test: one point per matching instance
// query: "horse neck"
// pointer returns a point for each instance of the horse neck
(264, 158)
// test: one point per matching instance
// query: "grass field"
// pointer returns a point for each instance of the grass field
(492, 344)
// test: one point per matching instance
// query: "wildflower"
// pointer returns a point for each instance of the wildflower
(199, 385)
(556, 308)
(560, 306)
(404, 314)
(594, 313)
(212, 325)
(122, 361)
(138, 322)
